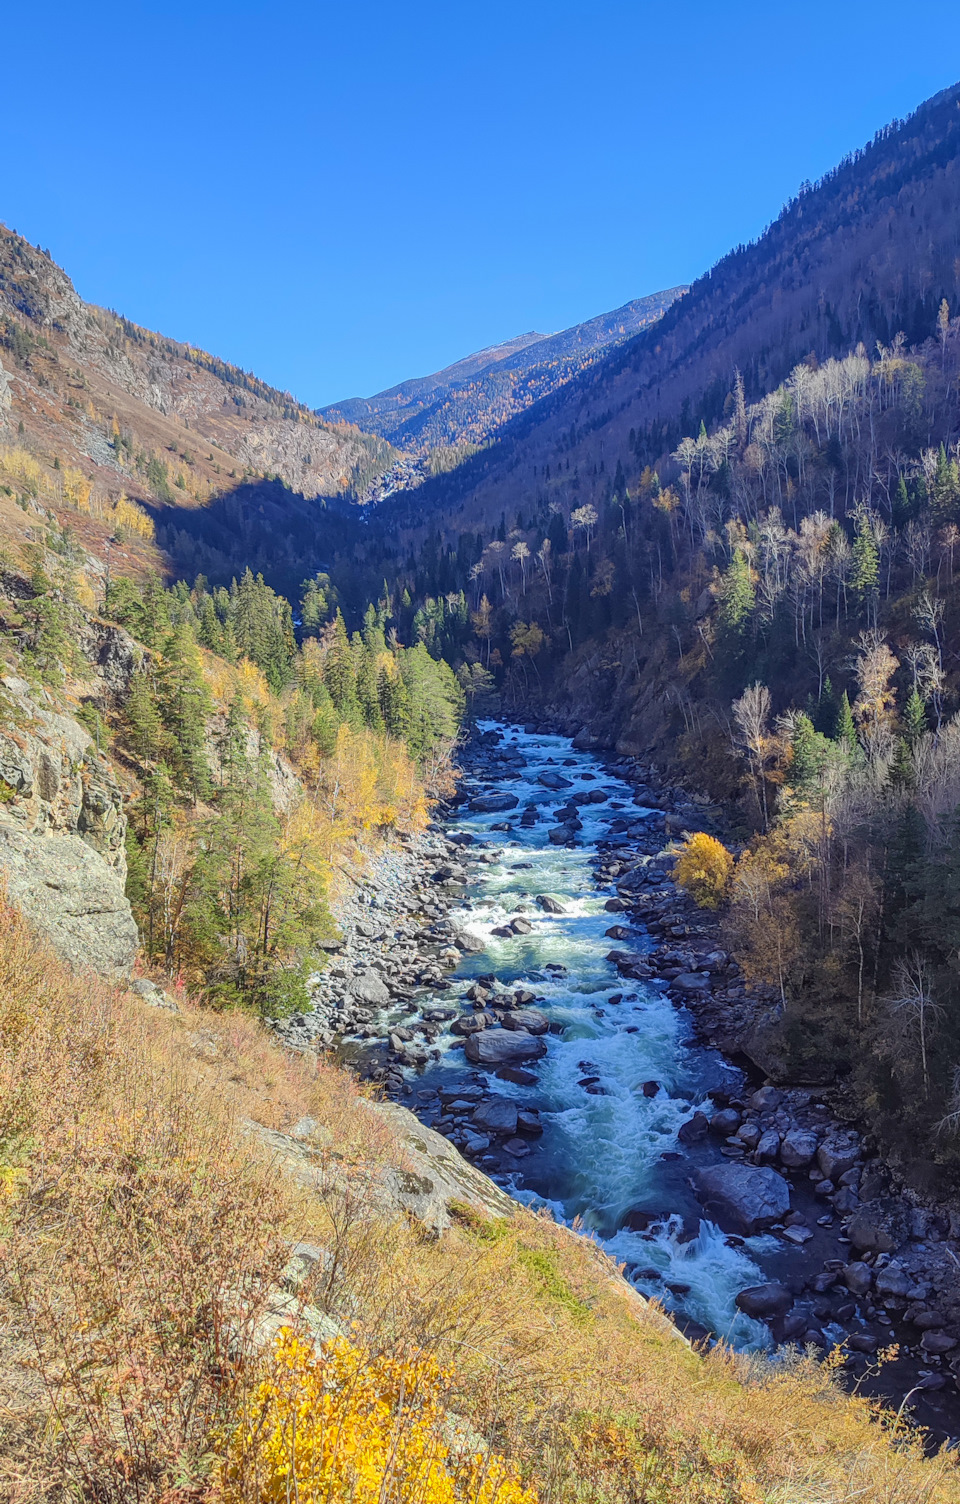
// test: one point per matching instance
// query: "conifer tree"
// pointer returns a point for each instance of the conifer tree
(914, 716)
(143, 718)
(737, 595)
(185, 706)
(846, 732)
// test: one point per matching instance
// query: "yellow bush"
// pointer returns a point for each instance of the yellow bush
(703, 869)
(342, 1424)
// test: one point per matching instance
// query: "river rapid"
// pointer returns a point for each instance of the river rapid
(621, 1072)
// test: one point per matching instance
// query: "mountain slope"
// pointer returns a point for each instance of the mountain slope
(467, 402)
(868, 252)
(159, 419)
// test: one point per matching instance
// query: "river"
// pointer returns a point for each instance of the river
(608, 1156)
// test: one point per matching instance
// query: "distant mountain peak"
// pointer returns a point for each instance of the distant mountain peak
(463, 405)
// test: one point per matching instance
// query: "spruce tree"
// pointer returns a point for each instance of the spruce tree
(737, 596)
(143, 719)
(846, 732)
(914, 716)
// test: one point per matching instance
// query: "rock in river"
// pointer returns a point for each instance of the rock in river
(749, 1198)
(764, 1301)
(503, 1047)
(530, 1019)
(496, 1115)
(549, 904)
(489, 804)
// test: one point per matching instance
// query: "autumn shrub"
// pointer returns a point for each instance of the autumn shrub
(343, 1424)
(703, 869)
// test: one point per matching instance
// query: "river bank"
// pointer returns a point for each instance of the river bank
(553, 1018)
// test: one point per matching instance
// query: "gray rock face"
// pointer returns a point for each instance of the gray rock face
(62, 830)
(501, 1047)
(51, 779)
(750, 1198)
(70, 895)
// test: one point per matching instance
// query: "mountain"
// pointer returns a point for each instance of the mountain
(160, 419)
(466, 403)
(868, 252)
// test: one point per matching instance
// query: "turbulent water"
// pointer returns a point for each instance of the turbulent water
(609, 1154)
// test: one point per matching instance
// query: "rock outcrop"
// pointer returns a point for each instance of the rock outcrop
(62, 830)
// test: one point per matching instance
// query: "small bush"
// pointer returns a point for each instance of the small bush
(703, 869)
(344, 1424)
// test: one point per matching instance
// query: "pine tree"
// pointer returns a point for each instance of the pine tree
(914, 716)
(845, 733)
(865, 566)
(143, 719)
(737, 595)
(339, 674)
(185, 706)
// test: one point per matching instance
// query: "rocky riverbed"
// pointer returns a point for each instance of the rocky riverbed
(527, 978)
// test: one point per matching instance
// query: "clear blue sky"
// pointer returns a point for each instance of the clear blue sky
(341, 196)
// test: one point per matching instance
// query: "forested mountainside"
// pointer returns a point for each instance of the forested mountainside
(447, 414)
(148, 415)
(867, 253)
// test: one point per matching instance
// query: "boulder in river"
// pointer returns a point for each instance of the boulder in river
(490, 804)
(529, 1019)
(549, 904)
(368, 988)
(748, 1197)
(798, 1148)
(503, 1047)
(555, 781)
(496, 1115)
(694, 1130)
(764, 1302)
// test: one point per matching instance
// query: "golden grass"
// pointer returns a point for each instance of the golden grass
(145, 1226)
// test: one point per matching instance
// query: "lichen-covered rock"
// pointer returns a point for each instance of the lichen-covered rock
(70, 895)
(62, 829)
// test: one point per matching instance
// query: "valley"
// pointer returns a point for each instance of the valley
(480, 894)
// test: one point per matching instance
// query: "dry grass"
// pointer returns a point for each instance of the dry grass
(144, 1229)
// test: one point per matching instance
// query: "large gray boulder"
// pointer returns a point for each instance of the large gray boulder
(70, 895)
(491, 804)
(798, 1148)
(530, 1019)
(763, 1302)
(496, 1115)
(368, 988)
(501, 1047)
(62, 830)
(744, 1197)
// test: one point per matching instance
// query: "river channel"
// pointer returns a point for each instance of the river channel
(621, 1072)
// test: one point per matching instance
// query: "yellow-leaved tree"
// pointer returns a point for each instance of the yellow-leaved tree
(703, 869)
